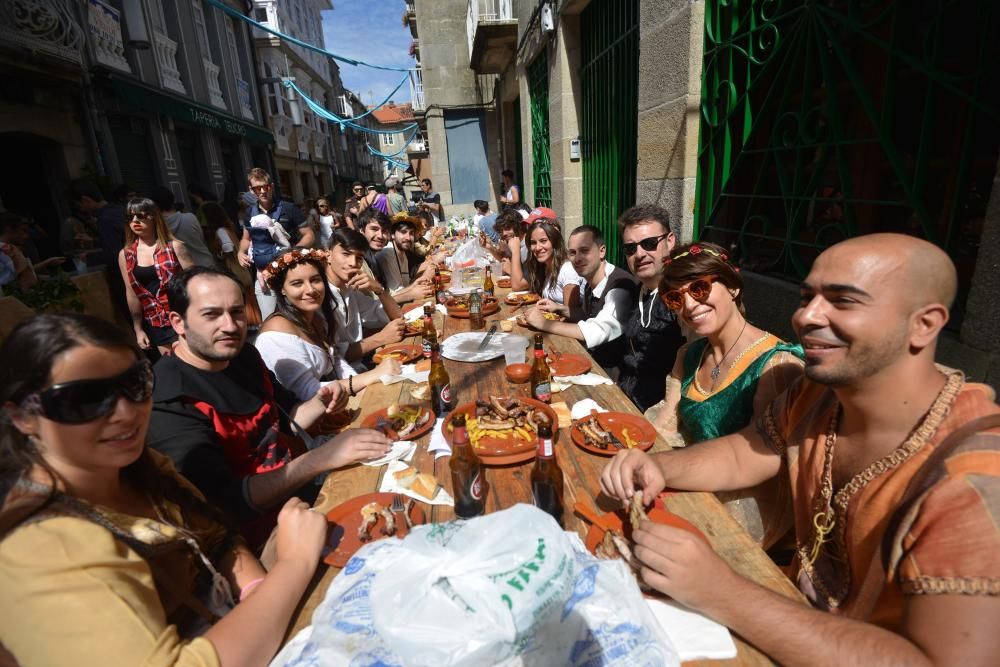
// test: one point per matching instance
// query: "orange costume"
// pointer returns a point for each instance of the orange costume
(948, 543)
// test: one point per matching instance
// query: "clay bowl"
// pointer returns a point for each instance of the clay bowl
(518, 373)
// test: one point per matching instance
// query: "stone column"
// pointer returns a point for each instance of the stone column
(671, 37)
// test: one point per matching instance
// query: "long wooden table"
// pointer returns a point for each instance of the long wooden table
(510, 484)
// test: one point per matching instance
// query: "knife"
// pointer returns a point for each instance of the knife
(486, 338)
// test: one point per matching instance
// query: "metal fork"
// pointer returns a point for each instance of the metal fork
(397, 504)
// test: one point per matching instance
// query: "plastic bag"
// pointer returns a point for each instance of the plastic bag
(511, 588)
(470, 251)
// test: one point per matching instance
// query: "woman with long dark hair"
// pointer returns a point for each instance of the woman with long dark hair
(547, 271)
(730, 373)
(107, 555)
(150, 258)
(298, 341)
(223, 241)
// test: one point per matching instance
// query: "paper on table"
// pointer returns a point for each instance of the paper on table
(438, 445)
(695, 637)
(389, 485)
(583, 408)
(401, 449)
(416, 376)
(585, 380)
(417, 313)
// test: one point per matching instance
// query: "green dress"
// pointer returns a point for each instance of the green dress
(729, 409)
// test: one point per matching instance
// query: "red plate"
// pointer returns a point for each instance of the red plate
(569, 364)
(345, 519)
(503, 281)
(410, 306)
(402, 351)
(521, 299)
(371, 421)
(502, 451)
(619, 521)
(460, 307)
(641, 431)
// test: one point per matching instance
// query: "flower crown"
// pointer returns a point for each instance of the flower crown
(290, 260)
(697, 250)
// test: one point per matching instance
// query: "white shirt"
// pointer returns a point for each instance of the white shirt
(606, 325)
(567, 276)
(301, 367)
(225, 240)
(353, 310)
(325, 230)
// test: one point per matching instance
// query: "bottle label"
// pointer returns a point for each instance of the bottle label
(545, 448)
(540, 353)
(446, 394)
(426, 349)
(476, 486)
(543, 392)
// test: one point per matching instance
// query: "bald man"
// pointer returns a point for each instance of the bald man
(917, 584)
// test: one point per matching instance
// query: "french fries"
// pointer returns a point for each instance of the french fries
(628, 441)
(475, 433)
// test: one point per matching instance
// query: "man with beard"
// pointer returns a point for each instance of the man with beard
(376, 226)
(608, 298)
(894, 469)
(224, 420)
(651, 333)
(401, 265)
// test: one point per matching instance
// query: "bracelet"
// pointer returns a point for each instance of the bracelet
(350, 384)
(246, 590)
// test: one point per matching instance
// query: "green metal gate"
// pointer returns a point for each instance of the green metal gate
(826, 120)
(541, 166)
(609, 72)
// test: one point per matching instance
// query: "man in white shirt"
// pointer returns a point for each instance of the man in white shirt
(608, 298)
(361, 303)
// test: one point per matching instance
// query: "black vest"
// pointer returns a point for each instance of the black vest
(610, 354)
(650, 352)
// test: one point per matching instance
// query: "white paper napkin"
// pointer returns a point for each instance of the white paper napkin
(415, 376)
(695, 636)
(581, 409)
(438, 445)
(585, 380)
(417, 313)
(401, 449)
(389, 485)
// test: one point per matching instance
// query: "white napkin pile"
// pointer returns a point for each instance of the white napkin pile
(438, 445)
(695, 637)
(402, 450)
(389, 485)
(585, 380)
(417, 313)
(582, 409)
(408, 373)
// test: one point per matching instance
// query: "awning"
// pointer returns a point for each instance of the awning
(140, 97)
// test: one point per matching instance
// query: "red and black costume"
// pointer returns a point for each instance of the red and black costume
(222, 427)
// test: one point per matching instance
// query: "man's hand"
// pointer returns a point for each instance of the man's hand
(363, 282)
(514, 245)
(389, 366)
(631, 469)
(300, 534)
(549, 306)
(333, 396)
(535, 317)
(680, 564)
(141, 338)
(353, 445)
(393, 332)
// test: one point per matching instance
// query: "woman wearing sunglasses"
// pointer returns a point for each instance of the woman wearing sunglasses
(731, 372)
(151, 257)
(107, 556)
(547, 271)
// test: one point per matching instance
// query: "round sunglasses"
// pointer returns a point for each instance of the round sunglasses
(699, 289)
(84, 401)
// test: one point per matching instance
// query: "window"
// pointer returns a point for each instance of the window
(156, 17)
(200, 30)
(389, 139)
(270, 90)
(260, 14)
(233, 49)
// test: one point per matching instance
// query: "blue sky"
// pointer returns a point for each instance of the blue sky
(372, 31)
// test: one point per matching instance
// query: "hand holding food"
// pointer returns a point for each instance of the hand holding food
(394, 331)
(389, 366)
(630, 470)
(333, 396)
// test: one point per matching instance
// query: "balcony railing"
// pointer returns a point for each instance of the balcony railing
(486, 11)
(418, 146)
(42, 26)
(105, 25)
(214, 88)
(165, 50)
(417, 90)
(244, 92)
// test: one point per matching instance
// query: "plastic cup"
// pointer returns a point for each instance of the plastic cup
(514, 349)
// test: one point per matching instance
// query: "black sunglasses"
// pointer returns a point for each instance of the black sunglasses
(86, 400)
(648, 244)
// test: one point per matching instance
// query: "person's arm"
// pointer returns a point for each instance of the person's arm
(183, 256)
(134, 307)
(780, 371)
(515, 197)
(937, 629)
(244, 253)
(308, 236)
(358, 382)
(571, 296)
(364, 282)
(664, 416)
(392, 332)
(517, 280)
(26, 276)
